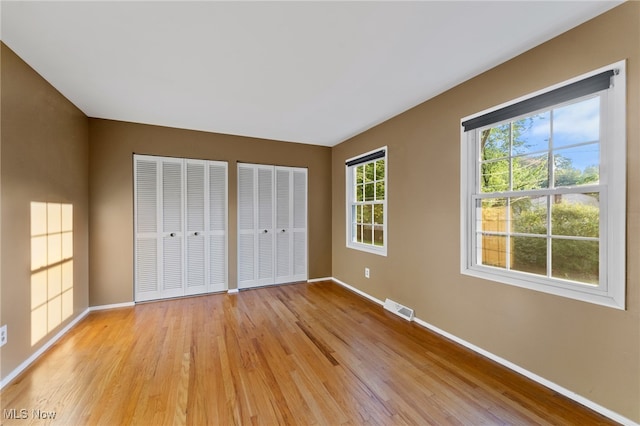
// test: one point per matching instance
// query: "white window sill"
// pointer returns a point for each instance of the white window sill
(569, 290)
(381, 251)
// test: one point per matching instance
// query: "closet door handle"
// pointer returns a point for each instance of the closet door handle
(173, 234)
(282, 230)
(196, 234)
(265, 231)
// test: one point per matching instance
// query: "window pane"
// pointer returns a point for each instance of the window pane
(493, 215)
(378, 235)
(531, 134)
(378, 214)
(494, 142)
(369, 172)
(577, 123)
(380, 191)
(579, 165)
(358, 214)
(529, 254)
(575, 260)
(529, 215)
(494, 250)
(380, 170)
(369, 191)
(358, 233)
(359, 192)
(366, 214)
(494, 176)
(359, 174)
(367, 234)
(576, 215)
(530, 172)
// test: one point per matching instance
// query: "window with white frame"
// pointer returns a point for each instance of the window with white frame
(543, 190)
(367, 202)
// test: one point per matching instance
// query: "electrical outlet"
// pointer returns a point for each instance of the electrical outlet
(366, 272)
(3, 335)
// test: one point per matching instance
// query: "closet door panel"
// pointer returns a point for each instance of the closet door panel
(283, 226)
(265, 226)
(196, 254)
(246, 226)
(299, 224)
(217, 226)
(146, 285)
(172, 228)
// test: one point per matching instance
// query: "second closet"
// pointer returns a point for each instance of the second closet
(272, 225)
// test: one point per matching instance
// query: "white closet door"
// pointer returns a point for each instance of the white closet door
(172, 229)
(196, 238)
(180, 227)
(264, 259)
(299, 225)
(291, 224)
(146, 196)
(284, 242)
(272, 225)
(217, 226)
(246, 226)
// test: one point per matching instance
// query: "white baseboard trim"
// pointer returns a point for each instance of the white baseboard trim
(19, 369)
(360, 292)
(541, 380)
(315, 280)
(112, 306)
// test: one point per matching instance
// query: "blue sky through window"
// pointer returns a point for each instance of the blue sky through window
(576, 123)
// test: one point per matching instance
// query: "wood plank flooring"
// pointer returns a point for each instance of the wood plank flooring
(301, 354)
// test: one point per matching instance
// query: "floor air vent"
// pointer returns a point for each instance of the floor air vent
(398, 309)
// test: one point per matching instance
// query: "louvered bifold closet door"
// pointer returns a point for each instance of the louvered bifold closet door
(272, 225)
(218, 226)
(299, 228)
(265, 255)
(196, 218)
(172, 229)
(180, 227)
(146, 184)
(246, 226)
(283, 234)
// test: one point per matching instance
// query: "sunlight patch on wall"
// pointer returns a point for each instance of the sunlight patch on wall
(51, 267)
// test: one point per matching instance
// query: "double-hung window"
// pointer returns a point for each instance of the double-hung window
(543, 190)
(367, 202)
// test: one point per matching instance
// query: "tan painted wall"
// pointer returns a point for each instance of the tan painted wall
(45, 153)
(591, 350)
(111, 160)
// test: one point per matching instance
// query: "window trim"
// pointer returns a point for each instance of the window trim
(354, 162)
(611, 292)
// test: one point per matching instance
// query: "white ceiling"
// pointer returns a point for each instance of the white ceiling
(308, 72)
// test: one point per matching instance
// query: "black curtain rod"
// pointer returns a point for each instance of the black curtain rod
(575, 90)
(366, 158)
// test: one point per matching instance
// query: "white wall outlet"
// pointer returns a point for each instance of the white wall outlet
(366, 272)
(3, 335)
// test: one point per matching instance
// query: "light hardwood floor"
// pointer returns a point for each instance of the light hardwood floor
(294, 354)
